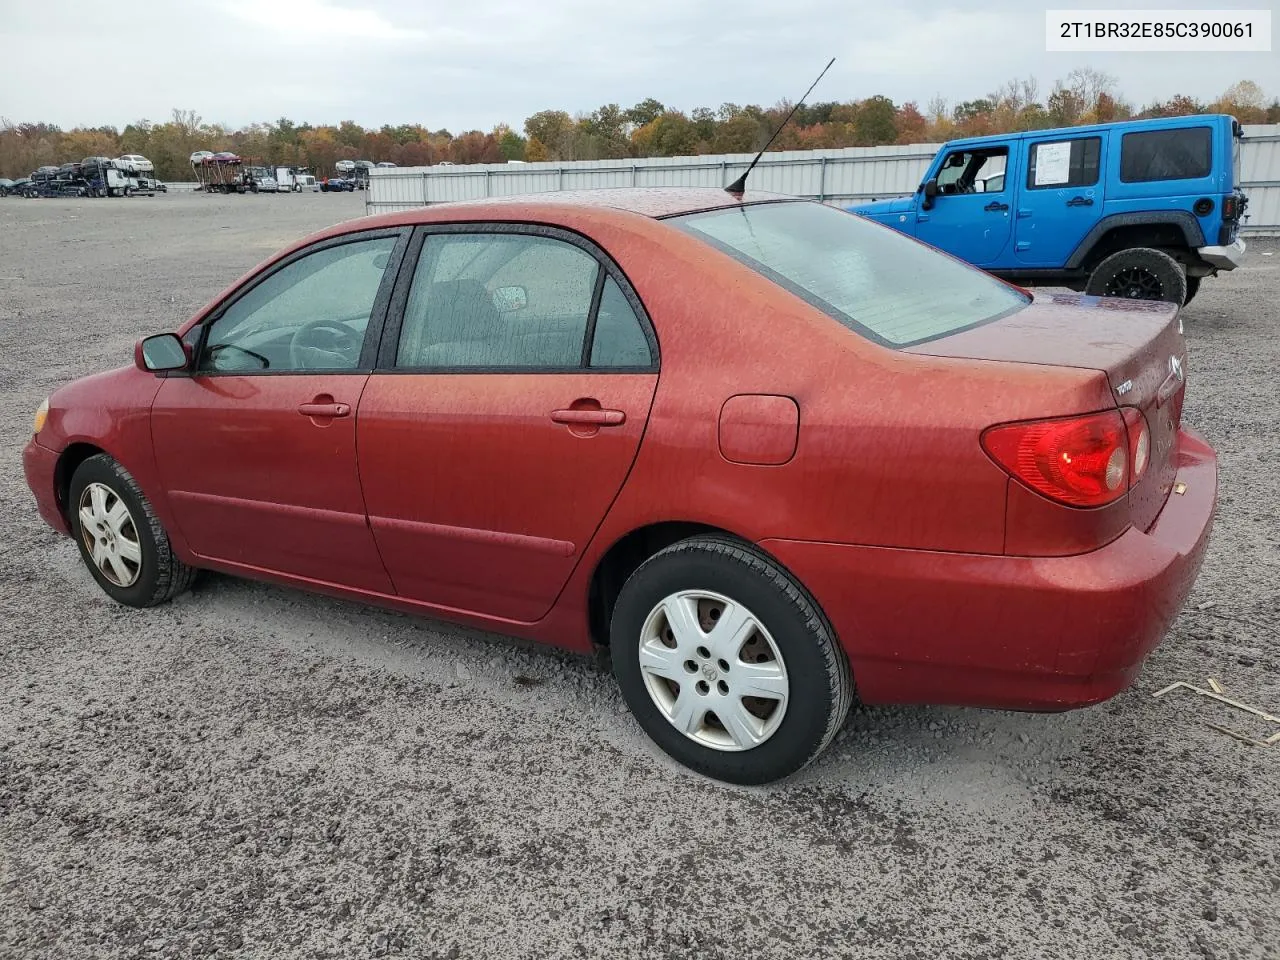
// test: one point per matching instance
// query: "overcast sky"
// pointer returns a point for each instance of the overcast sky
(465, 64)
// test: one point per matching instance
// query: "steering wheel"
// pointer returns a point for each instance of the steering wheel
(318, 344)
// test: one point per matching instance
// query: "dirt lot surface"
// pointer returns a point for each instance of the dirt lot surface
(252, 771)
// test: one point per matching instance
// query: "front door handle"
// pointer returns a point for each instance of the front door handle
(995, 205)
(324, 407)
(594, 418)
(1080, 202)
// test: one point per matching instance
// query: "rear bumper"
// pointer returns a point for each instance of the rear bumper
(39, 465)
(1225, 257)
(1023, 633)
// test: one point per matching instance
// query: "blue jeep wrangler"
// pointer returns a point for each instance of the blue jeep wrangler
(1141, 209)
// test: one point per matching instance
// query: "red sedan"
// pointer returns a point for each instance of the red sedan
(765, 450)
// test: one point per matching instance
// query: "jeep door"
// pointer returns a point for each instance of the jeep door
(1060, 197)
(965, 220)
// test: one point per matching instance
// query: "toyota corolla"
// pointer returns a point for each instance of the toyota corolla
(770, 454)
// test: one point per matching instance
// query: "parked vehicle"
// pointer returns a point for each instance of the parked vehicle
(220, 173)
(5, 186)
(135, 163)
(1143, 209)
(105, 179)
(200, 156)
(336, 185)
(385, 165)
(286, 179)
(306, 181)
(893, 469)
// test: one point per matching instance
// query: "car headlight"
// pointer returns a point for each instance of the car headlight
(42, 414)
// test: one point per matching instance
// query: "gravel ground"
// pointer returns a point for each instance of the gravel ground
(257, 772)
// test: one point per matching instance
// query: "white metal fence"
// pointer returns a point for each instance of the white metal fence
(837, 176)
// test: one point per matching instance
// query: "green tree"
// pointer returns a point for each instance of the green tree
(554, 130)
(645, 112)
(670, 134)
(875, 123)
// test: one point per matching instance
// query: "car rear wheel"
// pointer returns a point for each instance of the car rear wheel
(120, 538)
(1139, 274)
(727, 663)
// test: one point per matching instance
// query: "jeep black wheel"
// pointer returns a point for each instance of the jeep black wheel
(1139, 274)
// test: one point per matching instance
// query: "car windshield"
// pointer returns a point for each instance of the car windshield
(872, 279)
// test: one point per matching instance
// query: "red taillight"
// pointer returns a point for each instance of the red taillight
(1081, 461)
(1229, 208)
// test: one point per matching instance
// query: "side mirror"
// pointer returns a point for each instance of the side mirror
(510, 299)
(162, 352)
(930, 191)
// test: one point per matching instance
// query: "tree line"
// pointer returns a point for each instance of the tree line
(647, 129)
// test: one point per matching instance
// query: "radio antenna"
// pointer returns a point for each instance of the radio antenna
(740, 185)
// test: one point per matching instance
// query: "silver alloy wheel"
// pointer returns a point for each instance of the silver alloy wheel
(713, 671)
(110, 535)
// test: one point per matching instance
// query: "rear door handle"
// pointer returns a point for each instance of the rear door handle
(996, 205)
(595, 418)
(319, 409)
(1080, 202)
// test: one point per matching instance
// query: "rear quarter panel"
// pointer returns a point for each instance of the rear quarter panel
(1172, 195)
(888, 450)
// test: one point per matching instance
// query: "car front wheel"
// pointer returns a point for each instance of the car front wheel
(120, 538)
(727, 663)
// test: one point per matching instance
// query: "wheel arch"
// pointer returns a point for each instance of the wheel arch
(1170, 230)
(629, 551)
(625, 556)
(69, 461)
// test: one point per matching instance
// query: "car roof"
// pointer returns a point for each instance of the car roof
(653, 202)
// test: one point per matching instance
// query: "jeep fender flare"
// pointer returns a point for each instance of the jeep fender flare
(1190, 226)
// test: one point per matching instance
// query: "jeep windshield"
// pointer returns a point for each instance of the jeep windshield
(875, 281)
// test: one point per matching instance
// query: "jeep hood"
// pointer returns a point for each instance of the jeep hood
(881, 208)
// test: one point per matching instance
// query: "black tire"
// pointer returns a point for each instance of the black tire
(1193, 287)
(128, 191)
(820, 686)
(1140, 273)
(161, 575)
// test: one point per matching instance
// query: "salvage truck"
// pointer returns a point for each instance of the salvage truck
(1142, 209)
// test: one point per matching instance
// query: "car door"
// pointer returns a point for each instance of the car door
(964, 220)
(257, 444)
(504, 416)
(1061, 197)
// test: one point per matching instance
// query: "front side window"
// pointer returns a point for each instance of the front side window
(1184, 153)
(872, 279)
(310, 315)
(498, 300)
(1064, 163)
(969, 171)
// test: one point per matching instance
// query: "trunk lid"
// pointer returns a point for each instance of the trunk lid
(1136, 344)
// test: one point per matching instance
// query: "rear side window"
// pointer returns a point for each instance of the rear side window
(1182, 154)
(619, 339)
(1064, 163)
(872, 279)
(489, 300)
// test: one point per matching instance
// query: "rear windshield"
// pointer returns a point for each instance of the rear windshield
(875, 281)
(1185, 153)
